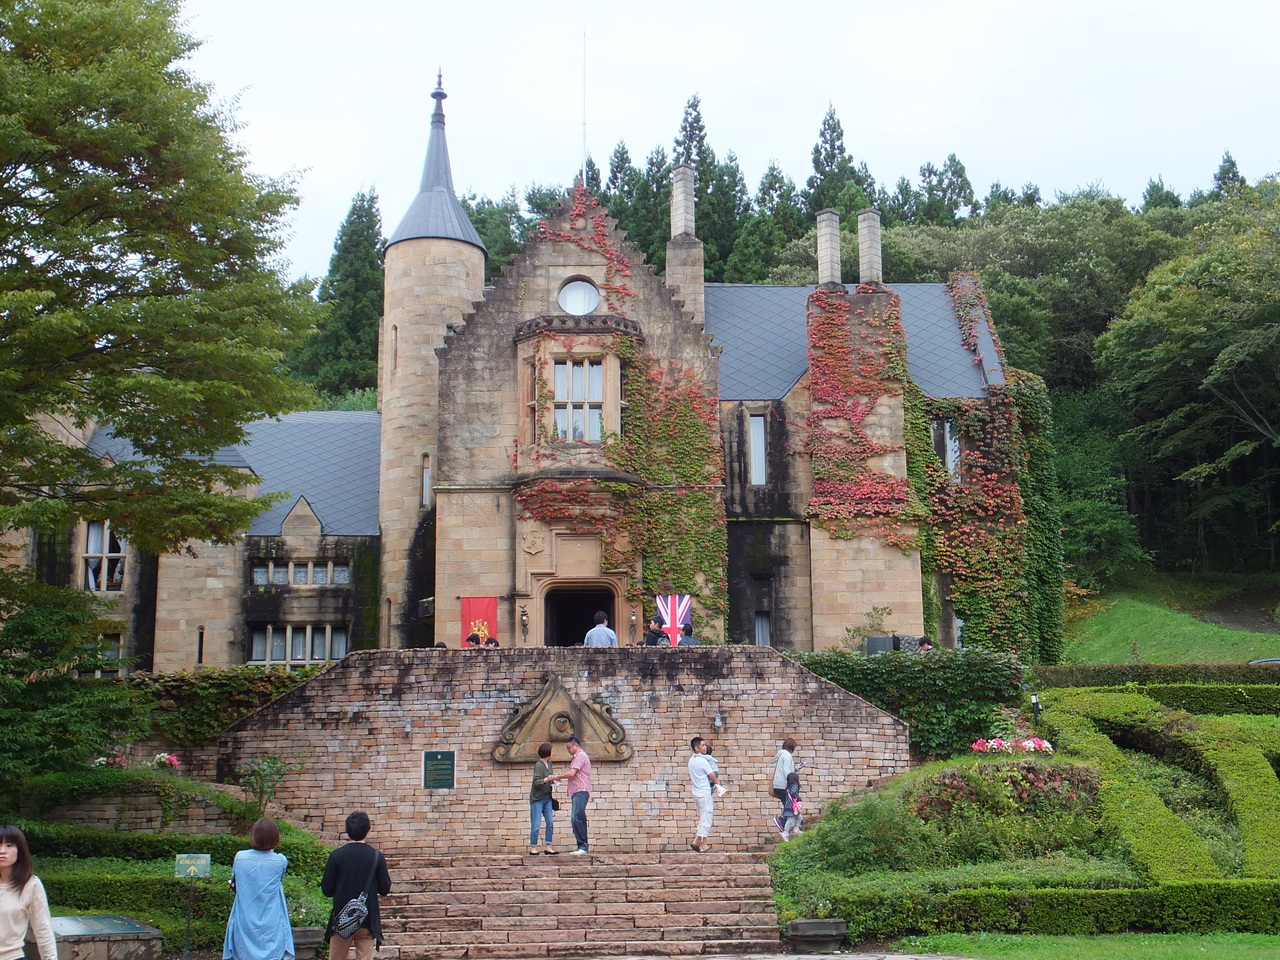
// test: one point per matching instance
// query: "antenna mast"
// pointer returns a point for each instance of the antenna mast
(584, 109)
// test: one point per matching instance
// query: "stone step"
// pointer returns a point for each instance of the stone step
(628, 948)
(668, 904)
(465, 861)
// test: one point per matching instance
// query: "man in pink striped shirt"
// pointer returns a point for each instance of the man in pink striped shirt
(579, 777)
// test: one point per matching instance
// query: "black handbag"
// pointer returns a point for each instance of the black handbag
(555, 804)
(356, 910)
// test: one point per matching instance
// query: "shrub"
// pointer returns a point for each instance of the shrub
(306, 854)
(151, 893)
(1114, 675)
(43, 793)
(1239, 698)
(949, 698)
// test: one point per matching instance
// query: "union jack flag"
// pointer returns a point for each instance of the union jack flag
(675, 609)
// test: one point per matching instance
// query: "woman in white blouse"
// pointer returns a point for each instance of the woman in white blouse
(22, 900)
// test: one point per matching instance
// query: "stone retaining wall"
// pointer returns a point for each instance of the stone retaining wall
(363, 725)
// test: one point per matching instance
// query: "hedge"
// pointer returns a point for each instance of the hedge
(1163, 847)
(306, 854)
(1245, 906)
(1225, 749)
(1116, 675)
(949, 698)
(1209, 698)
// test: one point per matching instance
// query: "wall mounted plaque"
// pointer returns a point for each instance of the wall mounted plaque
(553, 717)
(437, 770)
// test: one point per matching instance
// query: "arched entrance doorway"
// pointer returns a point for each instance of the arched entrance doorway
(568, 613)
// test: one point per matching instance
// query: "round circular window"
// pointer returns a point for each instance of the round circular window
(578, 297)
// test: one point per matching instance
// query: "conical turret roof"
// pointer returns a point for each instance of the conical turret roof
(436, 212)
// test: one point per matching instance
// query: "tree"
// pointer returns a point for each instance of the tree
(776, 197)
(833, 169)
(945, 193)
(1157, 195)
(1195, 360)
(52, 720)
(137, 288)
(342, 355)
(500, 225)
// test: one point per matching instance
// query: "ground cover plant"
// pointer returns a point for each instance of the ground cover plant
(1125, 946)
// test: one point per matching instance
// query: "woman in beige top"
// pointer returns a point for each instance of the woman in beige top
(22, 900)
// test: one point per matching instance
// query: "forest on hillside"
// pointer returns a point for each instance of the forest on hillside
(1156, 325)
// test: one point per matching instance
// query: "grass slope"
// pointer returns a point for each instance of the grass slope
(1153, 610)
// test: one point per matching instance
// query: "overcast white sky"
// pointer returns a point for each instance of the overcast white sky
(1060, 94)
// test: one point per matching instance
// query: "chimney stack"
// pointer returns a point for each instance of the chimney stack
(682, 202)
(685, 259)
(870, 263)
(828, 248)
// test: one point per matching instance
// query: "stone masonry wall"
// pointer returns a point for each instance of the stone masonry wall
(363, 725)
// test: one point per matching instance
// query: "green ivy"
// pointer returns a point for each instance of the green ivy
(194, 708)
(47, 791)
(949, 698)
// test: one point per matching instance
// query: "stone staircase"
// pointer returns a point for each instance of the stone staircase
(673, 904)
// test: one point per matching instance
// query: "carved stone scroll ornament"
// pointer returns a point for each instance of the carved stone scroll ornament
(553, 717)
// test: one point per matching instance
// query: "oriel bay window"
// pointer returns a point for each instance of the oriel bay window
(578, 399)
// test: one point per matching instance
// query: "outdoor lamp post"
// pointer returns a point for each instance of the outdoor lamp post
(633, 624)
(524, 622)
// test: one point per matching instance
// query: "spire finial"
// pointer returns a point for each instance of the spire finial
(438, 93)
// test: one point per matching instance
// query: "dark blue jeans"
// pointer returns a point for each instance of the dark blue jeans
(578, 818)
(539, 813)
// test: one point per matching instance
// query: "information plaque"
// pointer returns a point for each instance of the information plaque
(437, 770)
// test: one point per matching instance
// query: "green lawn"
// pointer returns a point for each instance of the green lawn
(1151, 609)
(1128, 946)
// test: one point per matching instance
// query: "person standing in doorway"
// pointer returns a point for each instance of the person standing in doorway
(351, 870)
(702, 774)
(579, 777)
(600, 635)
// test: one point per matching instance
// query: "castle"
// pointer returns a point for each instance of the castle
(586, 434)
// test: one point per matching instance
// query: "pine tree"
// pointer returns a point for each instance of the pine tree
(776, 196)
(1228, 177)
(833, 169)
(619, 193)
(342, 355)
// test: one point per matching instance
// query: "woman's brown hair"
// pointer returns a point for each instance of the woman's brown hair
(264, 835)
(789, 744)
(22, 866)
(544, 751)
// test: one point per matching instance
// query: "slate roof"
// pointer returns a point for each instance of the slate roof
(763, 332)
(436, 212)
(331, 457)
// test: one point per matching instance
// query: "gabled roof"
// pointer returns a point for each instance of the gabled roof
(331, 457)
(764, 334)
(435, 211)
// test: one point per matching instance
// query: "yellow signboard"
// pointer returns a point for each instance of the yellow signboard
(191, 865)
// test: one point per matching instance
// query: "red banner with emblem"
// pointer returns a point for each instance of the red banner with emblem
(479, 615)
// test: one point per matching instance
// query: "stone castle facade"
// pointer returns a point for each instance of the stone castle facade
(497, 463)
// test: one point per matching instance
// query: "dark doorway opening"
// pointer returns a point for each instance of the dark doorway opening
(571, 613)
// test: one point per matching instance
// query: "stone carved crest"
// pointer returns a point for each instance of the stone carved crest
(535, 541)
(553, 717)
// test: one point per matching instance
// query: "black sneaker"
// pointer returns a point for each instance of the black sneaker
(778, 822)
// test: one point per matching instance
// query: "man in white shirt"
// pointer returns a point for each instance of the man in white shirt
(600, 635)
(702, 773)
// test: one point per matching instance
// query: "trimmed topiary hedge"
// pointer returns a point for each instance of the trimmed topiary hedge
(1224, 748)
(1116, 675)
(1163, 848)
(949, 698)
(306, 854)
(1247, 906)
(1209, 698)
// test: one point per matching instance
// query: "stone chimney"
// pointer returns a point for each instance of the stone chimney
(685, 260)
(870, 263)
(828, 248)
(682, 223)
